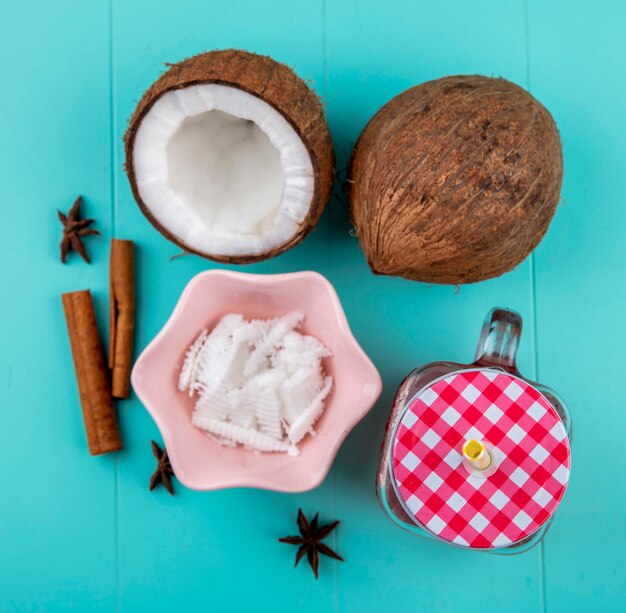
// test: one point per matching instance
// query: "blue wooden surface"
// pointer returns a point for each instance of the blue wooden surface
(84, 533)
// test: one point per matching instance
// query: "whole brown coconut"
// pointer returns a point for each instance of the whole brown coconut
(229, 156)
(455, 180)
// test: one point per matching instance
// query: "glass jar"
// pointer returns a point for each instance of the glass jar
(476, 455)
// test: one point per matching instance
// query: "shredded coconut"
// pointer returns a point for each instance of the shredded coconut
(259, 383)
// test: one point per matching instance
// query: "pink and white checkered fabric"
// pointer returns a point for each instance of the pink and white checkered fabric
(530, 446)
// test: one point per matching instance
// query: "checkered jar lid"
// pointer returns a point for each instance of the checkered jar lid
(527, 441)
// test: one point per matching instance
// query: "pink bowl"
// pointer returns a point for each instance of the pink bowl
(199, 462)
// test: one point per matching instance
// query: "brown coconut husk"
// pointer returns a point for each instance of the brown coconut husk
(455, 180)
(274, 83)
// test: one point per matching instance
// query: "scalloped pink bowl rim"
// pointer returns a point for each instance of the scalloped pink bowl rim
(198, 462)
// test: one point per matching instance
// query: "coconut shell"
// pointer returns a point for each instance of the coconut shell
(274, 83)
(455, 180)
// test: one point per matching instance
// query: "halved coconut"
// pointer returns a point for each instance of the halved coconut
(229, 156)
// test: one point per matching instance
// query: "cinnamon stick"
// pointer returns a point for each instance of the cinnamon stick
(121, 315)
(103, 434)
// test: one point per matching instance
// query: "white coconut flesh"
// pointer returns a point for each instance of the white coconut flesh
(222, 170)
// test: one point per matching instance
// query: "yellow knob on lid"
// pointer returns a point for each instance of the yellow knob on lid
(476, 454)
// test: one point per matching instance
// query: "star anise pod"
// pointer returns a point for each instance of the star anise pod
(163, 473)
(310, 541)
(73, 229)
